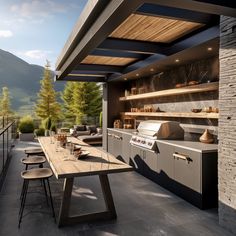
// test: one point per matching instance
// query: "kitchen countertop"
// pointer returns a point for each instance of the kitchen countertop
(190, 145)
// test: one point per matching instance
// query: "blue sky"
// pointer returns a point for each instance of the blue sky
(37, 30)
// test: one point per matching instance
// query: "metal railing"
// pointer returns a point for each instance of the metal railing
(7, 137)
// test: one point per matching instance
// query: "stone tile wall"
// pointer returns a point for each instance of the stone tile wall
(227, 125)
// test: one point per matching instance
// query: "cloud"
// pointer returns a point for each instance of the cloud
(36, 8)
(37, 54)
(5, 34)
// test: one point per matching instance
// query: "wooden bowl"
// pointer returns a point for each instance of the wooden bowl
(195, 110)
(192, 82)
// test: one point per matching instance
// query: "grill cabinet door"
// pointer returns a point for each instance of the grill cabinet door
(187, 169)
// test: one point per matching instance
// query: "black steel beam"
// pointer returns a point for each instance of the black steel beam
(216, 7)
(115, 53)
(135, 46)
(175, 13)
(190, 42)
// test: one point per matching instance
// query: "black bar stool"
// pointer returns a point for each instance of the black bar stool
(42, 174)
(34, 151)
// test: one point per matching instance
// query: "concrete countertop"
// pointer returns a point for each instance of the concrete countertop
(190, 145)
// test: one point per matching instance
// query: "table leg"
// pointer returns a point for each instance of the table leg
(109, 213)
(108, 195)
(65, 202)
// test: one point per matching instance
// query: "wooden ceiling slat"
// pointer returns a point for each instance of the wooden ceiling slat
(105, 60)
(153, 29)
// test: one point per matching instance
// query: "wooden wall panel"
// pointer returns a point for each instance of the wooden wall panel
(103, 60)
(153, 29)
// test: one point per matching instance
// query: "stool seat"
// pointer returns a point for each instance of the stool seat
(33, 151)
(34, 174)
(33, 160)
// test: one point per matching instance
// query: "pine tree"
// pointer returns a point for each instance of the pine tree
(5, 104)
(67, 98)
(47, 105)
(87, 101)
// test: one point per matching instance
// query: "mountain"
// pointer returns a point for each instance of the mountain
(22, 80)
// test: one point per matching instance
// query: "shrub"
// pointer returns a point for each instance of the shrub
(26, 125)
(39, 132)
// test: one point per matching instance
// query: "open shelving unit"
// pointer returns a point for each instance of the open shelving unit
(206, 87)
(200, 115)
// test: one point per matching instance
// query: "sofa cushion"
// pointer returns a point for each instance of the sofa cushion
(91, 139)
(79, 127)
(92, 128)
(79, 133)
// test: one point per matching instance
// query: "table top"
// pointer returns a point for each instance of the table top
(65, 165)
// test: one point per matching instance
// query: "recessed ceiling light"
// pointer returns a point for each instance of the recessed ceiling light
(209, 49)
(176, 60)
(137, 74)
(152, 69)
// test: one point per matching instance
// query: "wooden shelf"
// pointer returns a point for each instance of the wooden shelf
(177, 91)
(202, 115)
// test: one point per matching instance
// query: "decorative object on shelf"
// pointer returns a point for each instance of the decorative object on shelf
(215, 109)
(141, 90)
(180, 85)
(196, 110)
(127, 93)
(117, 124)
(129, 123)
(207, 109)
(148, 108)
(134, 109)
(134, 91)
(193, 82)
(206, 137)
(159, 110)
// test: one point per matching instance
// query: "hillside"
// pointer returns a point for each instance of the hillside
(23, 81)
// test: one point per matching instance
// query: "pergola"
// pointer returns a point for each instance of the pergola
(120, 39)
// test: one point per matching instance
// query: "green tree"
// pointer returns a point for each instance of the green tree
(5, 103)
(87, 100)
(47, 104)
(67, 98)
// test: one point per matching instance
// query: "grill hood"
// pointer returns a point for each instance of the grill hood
(156, 129)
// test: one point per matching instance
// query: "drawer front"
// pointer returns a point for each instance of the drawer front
(187, 168)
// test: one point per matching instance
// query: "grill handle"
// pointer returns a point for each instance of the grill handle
(182, 157)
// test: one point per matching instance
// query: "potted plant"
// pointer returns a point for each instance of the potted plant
(26, 129)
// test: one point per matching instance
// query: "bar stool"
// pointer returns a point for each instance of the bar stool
(33, 160)
(34, 151)
(30, 161)
(42, 174)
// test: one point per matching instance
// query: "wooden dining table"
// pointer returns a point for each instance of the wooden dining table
(66, 166)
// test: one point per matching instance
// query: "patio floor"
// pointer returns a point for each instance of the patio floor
(143, 207)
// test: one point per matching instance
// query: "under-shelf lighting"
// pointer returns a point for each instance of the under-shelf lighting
(137, 74)
(209, 49)
(177, 60)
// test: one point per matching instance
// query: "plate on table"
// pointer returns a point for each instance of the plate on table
(82, 154)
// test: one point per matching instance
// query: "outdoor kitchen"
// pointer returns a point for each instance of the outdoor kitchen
(165, 126)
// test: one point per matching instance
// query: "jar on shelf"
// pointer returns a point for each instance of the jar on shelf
(134, 91)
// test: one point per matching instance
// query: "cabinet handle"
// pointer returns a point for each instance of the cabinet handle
(109, 134)
(182, 157)
(117, 137)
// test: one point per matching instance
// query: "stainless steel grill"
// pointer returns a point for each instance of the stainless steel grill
(151, 130)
